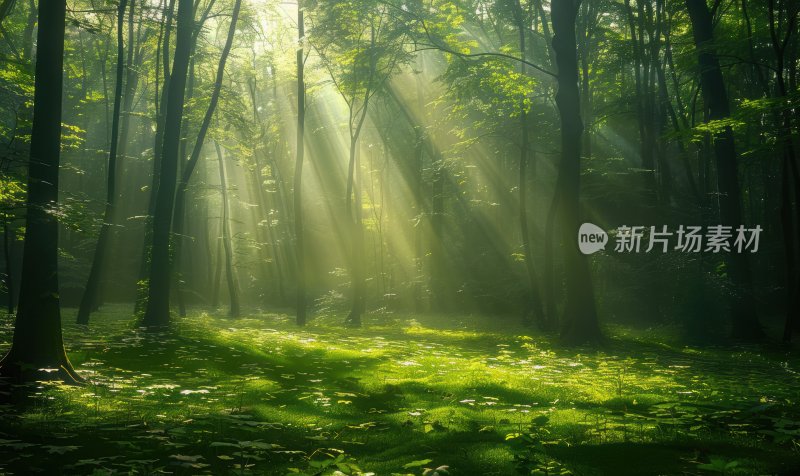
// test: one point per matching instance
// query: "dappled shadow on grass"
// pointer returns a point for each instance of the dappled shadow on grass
(260, 395)
(634, 459)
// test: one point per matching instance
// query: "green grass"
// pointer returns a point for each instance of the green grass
(260, 396)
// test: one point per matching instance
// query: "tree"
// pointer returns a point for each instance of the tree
(743, 315)
(37, 348)
(489, 88)
(361, 43)
(12, 196)
(534, 303)
(191, 164)
(160, 99)
(131, 80)
(158, 286)
(790, 177)
(298, 170)
(580, 316)
(230, 274)
(89, 300)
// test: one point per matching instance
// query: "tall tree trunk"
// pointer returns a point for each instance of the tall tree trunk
(230, 274)
(27, 33)
(673, 116)
(360, 285)
(104, 74)
(131, 78)
(160, 106)
(419, 251)
(743, 315)
(89, 299)
(548, 36)
(298, 171)
(533, 302)
(9, 277)
(761, 80)
(356, 231)
(255, 174)
(419, 198)
(217, 273)
(637, 74)
(580, 316)
(179, 217)
(37, 345)
(188, 168)
(281, 210)
(550, 304)
(657, 104)
(790, 246)
(276, 250)
(789, 173)
(353, 205)
(437, 260)
(157, 312)
(588, 22)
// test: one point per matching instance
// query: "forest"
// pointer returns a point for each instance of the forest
(400, 237)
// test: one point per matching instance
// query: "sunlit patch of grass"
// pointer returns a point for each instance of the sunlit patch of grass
(262, 394)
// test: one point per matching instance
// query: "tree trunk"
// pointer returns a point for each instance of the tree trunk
(744, 319)
(9, 277)
(298, 172)
(357, 234)
(789, 171)
(551, 307)
(657, 105)
(637, 73)
(131, 78)
(437, 260)
(533, 302)
(217, 274)
(104, 74)
(548, 36)
(160, 106)
(355, 212)
(588, 22)
(27, 33)
(419, 199)
(37, 345)
(89, 299)
(158, 286)
(179, 216)
(673, 116)
(762, 81)
(273, 232)
(188, 169)
(230, 275)
(580, 316)
(789, 243)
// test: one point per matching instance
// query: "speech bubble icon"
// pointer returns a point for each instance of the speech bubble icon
(591, 238)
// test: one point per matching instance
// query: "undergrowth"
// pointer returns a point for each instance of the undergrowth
(434, 395)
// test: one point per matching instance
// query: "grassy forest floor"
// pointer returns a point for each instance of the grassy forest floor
(260, 396)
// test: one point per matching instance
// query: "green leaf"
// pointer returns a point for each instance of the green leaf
(417, 463)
